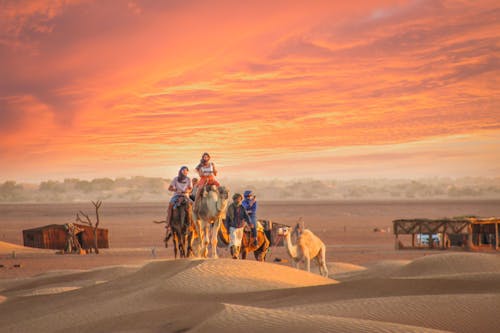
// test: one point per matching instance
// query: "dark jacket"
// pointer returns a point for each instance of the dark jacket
(236, 216)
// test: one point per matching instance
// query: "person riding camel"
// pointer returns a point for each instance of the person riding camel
(182, 186)
(250, 204)
(207, 172)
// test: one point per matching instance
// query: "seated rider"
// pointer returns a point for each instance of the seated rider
(250, 205)
(207, 172)
(182, 186)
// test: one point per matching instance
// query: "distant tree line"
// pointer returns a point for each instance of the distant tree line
(155, 189)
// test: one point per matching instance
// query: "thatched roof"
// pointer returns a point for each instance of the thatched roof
(454, 225)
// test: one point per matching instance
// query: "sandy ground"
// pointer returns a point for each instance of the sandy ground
(371, 287)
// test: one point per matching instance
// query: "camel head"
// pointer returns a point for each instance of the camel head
(223, 198)
(284, 231)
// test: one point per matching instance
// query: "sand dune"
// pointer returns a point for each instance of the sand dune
(252, 319)
(457, 313)
(335, 268)
(229, 276)
(8, 247)
(226, 295)
(380, 269)
(450, 264)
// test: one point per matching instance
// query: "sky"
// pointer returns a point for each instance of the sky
(271, 89)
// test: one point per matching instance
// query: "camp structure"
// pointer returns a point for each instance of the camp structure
(54, 236)
(271, 231)
(472, 233)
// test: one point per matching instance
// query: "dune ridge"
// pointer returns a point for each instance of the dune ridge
(225, 295)
(253, 319)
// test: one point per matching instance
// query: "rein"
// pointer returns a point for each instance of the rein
(280, 237)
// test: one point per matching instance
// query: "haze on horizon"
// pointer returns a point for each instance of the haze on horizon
(282, 89)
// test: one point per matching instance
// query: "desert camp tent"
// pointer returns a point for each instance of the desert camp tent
(53, 236)
(469, 232)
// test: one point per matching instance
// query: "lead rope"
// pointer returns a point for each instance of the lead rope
(274, 245)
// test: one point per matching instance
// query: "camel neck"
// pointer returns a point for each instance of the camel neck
(290, 248)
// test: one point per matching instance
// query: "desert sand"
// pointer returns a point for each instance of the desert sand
(371, 287)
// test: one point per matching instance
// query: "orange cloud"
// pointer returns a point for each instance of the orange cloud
(147, 86)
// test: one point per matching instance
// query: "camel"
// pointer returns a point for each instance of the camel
(308, 247)
(181, 223)
(210, 212)
(247, 243)
(182, 230)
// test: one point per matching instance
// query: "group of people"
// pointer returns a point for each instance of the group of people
(242, 211)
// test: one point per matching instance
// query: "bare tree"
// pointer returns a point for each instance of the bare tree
(88, 221)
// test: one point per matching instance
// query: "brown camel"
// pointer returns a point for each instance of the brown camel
(308, 247)
(182, 229)
(247, 243)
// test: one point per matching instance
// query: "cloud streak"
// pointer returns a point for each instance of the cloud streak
(153, 85)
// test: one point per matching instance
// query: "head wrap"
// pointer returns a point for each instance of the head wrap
(247, 193)
(181, 178)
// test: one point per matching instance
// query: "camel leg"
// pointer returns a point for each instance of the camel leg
(203, 237)
(214, 231)
(199, 231)
(308, 264)
(322, 259)
(184, 245)
(206, 240)
(234, 252)
(244, 252)
(189, 243)
(175, 241)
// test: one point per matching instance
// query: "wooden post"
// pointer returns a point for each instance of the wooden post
(496, 236)
(470, 243)
(479, 236)
(413, 240)
(396, 243)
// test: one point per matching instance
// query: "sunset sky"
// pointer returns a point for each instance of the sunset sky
(271, 89)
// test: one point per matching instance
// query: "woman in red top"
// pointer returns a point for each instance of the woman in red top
(207, 172)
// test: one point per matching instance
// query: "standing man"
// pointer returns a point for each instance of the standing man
(236, 217)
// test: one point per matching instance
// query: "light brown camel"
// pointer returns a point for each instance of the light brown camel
(208, 217)
(308, 247)
(247, 243)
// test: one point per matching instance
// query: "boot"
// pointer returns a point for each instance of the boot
(254, 234)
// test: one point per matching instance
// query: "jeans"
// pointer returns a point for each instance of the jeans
(253, 220)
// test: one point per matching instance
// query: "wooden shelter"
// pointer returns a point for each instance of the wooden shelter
(469, 232)
(271, 231)
(53, 236)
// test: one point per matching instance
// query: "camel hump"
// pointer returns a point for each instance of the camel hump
(309, 237)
